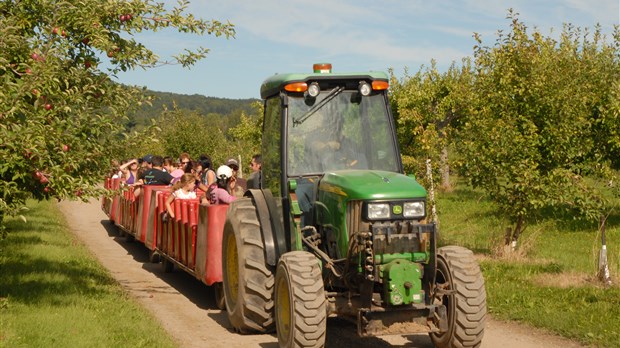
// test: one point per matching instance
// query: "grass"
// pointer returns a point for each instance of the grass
(53, 293)
(551, 282)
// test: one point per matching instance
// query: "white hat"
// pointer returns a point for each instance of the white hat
(224, 171)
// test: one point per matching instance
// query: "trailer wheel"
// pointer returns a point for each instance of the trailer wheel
(301, 313)
(466, 307)
(154, 256)
(248, 280)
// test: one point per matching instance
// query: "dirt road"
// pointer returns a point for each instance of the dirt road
(186, 309)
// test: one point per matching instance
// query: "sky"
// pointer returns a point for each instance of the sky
(278, 36)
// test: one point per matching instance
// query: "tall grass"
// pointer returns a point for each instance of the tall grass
(53, 293)
(550, 281)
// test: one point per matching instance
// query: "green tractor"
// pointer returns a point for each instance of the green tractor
(337, 229)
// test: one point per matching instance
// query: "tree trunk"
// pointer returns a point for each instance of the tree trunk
(445, 170)
(511, 236)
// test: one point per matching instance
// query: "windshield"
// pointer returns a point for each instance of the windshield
(339, 130)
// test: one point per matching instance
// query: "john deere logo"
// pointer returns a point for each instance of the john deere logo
(397, 209)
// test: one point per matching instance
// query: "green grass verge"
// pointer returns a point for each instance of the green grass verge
(551, 283)
(53, 293)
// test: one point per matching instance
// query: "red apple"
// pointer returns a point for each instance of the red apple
(34, 56)
(79, 192)
(66, 148)
(46, 189)
(87, 64)
(28, 71)
(35, 92)
(110, 54)
(48, 107)
(55, 31)
(38, 175)
(64, 34)
(85, 41)
(43, 179)
(123, 18)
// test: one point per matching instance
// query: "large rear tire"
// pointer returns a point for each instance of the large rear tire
(458, 270)
(301, 313)
(248, 280)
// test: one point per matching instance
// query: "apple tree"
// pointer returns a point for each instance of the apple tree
(428, 107)
(544, 127)
(62, 117)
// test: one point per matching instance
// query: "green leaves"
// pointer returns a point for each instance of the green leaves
(62, 117)
(533, 134)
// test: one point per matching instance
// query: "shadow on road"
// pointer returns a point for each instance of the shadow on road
(340, 332)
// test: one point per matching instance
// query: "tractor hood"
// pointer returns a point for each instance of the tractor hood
(371, 185)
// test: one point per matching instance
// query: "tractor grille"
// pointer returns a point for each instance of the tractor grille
(388, 236)
(354, 218)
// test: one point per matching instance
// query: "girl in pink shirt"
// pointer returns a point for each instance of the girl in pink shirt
(221, 191)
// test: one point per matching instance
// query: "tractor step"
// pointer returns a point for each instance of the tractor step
(401, 320)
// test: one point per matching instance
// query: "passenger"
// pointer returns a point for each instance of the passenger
(208, 174)
(195, 168)
(155, 175)
(114, 169)
(147, 162)
(182, 189)
(221, 193)
(240, 184)
(184, 159)
(168, 164)
(255, 166)
(130, 171)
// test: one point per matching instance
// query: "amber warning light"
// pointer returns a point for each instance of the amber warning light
(322, 68)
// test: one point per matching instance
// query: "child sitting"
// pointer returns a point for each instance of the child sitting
(182, 189)
(221, 191)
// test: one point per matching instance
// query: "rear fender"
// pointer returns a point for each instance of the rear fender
(272, 229)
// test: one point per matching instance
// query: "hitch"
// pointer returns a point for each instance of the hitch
(404, 320)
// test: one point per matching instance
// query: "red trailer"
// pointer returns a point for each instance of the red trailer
(192, 240)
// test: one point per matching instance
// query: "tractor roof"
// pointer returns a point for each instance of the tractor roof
(276, 83)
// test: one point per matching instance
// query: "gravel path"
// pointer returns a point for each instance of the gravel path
(186, 309)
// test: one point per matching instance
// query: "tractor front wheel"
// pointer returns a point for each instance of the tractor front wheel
(301, 313)
(248, 279)
(460, 287)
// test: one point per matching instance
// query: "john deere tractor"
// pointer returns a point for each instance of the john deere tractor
(337, 229)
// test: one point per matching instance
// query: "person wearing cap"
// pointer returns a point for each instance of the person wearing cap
(221, 193)
(154, 176)
(147, 162)
(240, 184)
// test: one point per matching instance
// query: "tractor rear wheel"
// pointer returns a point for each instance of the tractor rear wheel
(460, 279)
(301, 313)
(220, 301)
(248, 279)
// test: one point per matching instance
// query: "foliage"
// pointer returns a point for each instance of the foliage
(221, 107)
(188, 131)
(543, 119)
(247, 134)
(62, 118)
(427, 106)
(53, 293)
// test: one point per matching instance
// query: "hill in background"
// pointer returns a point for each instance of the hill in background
(199, 103)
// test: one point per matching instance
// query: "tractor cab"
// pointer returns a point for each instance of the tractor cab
(338, 229)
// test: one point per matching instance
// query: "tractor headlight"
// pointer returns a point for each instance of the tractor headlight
(414, 210)
(378, 211)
